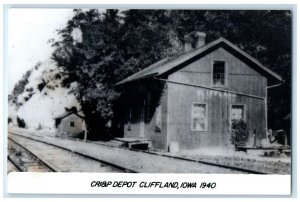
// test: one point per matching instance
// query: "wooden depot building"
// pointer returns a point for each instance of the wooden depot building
(189, 101)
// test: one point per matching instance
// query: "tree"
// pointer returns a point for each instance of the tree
(111, 48)
(19, 88)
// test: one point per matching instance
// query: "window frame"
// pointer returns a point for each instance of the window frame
(225, 73)
(244, 115)
(206, 113)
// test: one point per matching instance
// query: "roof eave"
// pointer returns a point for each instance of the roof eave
(135, 79)
(252, 59)
(62, 117)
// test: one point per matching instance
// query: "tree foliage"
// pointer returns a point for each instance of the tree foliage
(19, 88)
(101, 47)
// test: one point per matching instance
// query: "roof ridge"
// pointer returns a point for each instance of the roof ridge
(165, 65)
(68, 113)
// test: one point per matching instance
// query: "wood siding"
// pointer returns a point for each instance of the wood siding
(239, 78)
(219, 107)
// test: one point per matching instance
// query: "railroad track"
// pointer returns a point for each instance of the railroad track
(22, 159)
(76, 161)
(244, 170)
(12, 166)
(249, 171)
(209, 164)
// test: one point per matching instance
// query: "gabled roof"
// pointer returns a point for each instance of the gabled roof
(169, 64)
(68, 113)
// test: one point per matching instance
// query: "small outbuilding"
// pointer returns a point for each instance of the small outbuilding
(70, 123)
(190, 101)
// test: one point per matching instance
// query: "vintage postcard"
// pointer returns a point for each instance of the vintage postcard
(202, 95)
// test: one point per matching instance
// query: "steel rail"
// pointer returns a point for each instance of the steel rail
(80, 154)
(15, 166)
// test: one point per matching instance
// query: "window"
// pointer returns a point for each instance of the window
(219, 73)
(199, 117)
(238, 113)
(72, 124)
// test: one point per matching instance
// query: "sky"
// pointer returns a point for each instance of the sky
(28, 33)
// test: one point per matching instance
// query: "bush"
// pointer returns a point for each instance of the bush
(239, 133)
(41, 85)
(21, 122)
(9, 120)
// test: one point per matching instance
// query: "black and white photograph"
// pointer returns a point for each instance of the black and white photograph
(195, 91)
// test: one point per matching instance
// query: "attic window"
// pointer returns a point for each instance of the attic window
(72, 124)
(219, 73)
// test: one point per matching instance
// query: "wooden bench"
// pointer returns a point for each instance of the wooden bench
(278, 149)
(135, 143)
